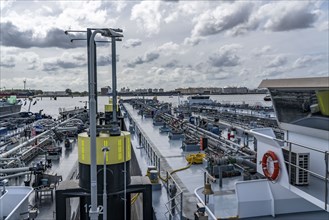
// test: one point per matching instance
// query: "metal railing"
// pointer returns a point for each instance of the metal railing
(325, 177)
(149, 146)
(174, 205)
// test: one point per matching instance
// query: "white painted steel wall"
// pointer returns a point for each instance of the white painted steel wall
(264, 198)
(14, 202)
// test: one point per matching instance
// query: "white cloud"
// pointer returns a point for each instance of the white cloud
(287, 15)
(8, 61)
(306, 61)
(65, 61)
(168, 48)
(5, 4)
(226, 56)
(166, 44)
(192, 41)
(324, 26)
(183, 9)
(277, 61)
(261, 51)
(222, 18)
(147, 57)
(132, 43)
(119, 5)
(148, 17)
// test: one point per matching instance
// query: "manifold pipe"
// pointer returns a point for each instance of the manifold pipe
(245, 162)
(14, 175)
(9, 158)
(199, 198)
(6, 154)
(214, 138)
(25, 152)
(14, 170)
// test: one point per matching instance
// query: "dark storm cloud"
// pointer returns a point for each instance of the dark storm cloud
(132, 43)
(13, 37)
(146, 58)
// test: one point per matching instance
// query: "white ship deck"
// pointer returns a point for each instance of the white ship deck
(223, 203)
(191, 178)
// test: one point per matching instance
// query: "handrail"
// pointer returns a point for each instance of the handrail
(300, 145)
(317, 175)
(179, 195)
(199, 198)
(157, 162)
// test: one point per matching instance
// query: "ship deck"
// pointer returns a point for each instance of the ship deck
(223, 203)
(170, 150)
(65, 166)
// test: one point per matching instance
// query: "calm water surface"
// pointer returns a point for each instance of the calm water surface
(51, 106)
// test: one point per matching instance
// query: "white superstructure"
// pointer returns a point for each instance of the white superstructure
(302, 110)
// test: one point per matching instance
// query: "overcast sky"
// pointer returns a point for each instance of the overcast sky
(166, 44)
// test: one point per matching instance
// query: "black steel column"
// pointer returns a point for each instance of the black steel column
(147, 203)
(60, 206)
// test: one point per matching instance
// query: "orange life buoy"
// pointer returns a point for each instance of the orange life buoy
(274, 175)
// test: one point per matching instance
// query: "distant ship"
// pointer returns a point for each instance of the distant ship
(10, 106)
(199, 99)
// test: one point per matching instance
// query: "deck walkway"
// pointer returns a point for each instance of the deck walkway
(224, 200)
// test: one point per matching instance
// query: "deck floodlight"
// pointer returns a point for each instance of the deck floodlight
(113, 33)
(117, 30)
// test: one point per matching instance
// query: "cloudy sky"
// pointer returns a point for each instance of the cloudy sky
(166, 44)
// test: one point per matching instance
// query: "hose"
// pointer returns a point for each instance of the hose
(192, 159)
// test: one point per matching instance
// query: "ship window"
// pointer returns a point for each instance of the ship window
(308, 108)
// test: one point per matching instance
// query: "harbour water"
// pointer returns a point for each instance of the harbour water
(51, 106)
